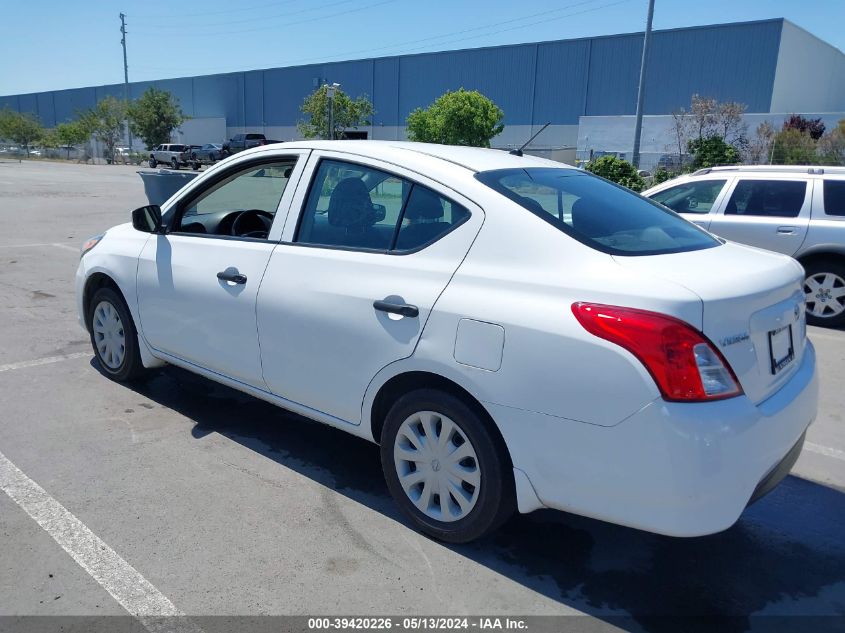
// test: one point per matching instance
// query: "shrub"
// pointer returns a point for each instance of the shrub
(617, 170)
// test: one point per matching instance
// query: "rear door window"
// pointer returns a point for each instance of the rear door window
(354, 206)
(767, 198)
(834, 197)
(598, 213)
(695, 196)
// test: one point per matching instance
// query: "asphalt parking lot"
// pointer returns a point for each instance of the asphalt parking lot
(225, 505)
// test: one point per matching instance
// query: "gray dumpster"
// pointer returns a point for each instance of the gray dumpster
(160, 185)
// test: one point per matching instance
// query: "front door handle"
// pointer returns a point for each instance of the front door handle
(786, 230)
(231, 274)
(397, 308)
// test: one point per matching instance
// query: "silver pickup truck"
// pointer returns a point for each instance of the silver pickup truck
(173, 154)
(795, 210)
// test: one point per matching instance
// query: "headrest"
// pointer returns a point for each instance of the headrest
(350, 205)
(424, 204)
(587, 218)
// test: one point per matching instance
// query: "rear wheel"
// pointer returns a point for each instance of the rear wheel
(113, 336)
(824, 290)
(446, 471)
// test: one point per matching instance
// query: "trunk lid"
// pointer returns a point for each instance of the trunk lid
(752, 308)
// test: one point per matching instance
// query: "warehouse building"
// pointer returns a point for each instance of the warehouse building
(586, 88)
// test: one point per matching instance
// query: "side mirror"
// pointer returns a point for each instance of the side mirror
(147, 219)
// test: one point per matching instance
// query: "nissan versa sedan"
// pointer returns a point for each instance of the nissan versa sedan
(516, 334)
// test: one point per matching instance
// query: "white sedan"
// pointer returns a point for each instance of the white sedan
(514, 333)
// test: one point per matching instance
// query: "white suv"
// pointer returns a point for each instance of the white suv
(794, 210)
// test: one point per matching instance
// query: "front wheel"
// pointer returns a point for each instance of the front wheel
(113, 336)
(153, 162)
(174, 163)
(447, 472)
(824, 292)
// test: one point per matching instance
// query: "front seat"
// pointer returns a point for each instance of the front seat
(424, 213)
(351, 208)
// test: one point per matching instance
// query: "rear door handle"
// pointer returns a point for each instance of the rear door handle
(786, 230)
(397, 308)
(231, 274)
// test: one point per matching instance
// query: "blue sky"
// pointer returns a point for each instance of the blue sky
(65, 44)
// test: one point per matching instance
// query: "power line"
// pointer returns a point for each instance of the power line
(435, 37)
(262, 19)
(240, 9)
(305, 21)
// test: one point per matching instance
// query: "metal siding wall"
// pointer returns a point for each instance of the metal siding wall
(46, 112)
(182, 89)
(386, 91)
(284, 89)
(69, 103)
(10, 102)
(28, 103)
(614, 74)
(506, 75)
(217, 96)
(729, 63)
(561, 84)
(254, 98)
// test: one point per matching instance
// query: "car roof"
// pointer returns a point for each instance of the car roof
(472, 158)
(773, 169)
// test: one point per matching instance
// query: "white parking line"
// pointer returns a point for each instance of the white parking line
(835, 453)
(53, 244)
(42, 361)
(134, 592)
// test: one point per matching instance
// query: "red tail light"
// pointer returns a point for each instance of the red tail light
(683, 362)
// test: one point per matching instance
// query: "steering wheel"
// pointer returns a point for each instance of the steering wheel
(252, 223)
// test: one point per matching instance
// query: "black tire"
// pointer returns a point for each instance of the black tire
(212, 158)
(817, 300)
(130, 367)
(195, 166)
(496, 499)
(174, 163)
(153, 162)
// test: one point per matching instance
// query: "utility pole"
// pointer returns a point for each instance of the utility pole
(638, 126)
(125, 74)
(330, 91)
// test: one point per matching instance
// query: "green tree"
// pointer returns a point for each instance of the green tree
(617, 170)
(711, 151)
(661, 175)
(831, 145)
(462, 117)
(105, 122)
(346, 113)
(791, 146)
(21, 127)
(154, 116)
(70, 134)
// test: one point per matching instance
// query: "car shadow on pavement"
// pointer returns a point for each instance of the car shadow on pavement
(784, 557)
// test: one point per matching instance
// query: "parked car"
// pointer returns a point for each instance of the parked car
(174, 154)
(794, 210)
(514, 333)
(207, 154)
(240, 142)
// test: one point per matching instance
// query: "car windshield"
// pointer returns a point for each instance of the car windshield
(598, 213)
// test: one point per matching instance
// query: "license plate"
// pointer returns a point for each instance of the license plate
(781, 348)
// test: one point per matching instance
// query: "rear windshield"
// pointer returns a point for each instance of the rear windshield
(598, 213)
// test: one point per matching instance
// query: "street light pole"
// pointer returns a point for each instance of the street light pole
(638, 126)
(125, 75)
(331, 89)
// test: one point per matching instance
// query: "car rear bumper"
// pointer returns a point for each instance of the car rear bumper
(672, 468)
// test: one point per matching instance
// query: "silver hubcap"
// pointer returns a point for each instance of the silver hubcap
(825, 295)
(437, 466)
(108, 335)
